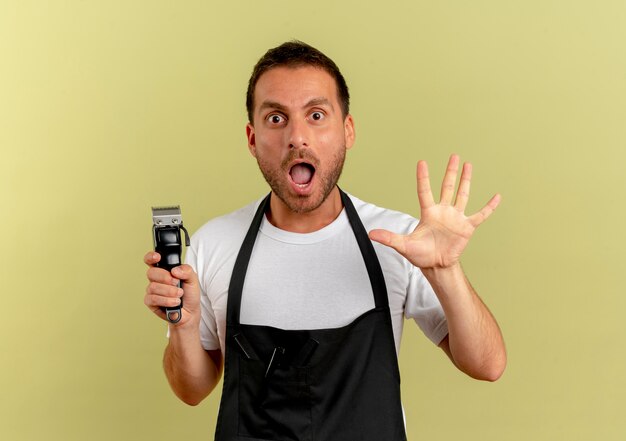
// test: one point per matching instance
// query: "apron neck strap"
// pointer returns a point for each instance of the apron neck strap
(235, 289)
(240, 269)
(372, 264)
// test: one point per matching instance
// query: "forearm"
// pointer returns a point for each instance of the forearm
(475, 342)
(190, 369)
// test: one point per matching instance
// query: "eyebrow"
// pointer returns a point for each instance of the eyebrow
(278, 106)
(319, 102)
(272, 105)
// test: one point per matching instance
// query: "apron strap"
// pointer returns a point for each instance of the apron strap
(238, 277)
(372, 264)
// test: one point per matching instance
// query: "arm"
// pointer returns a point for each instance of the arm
(191, 371)
(474, 342)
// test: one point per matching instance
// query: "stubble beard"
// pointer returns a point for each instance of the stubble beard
(276, 179)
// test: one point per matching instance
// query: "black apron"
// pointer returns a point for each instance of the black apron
(339, 384)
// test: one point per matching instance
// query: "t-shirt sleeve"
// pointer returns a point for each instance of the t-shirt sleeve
(423, 306)
(208, 324)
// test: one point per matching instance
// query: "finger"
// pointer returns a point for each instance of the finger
(462, 194)
(424, 193)
(480, 217)
(449, 180)
(393, 240)
(186, 274)
(154, 301)
(161, 275)
(151, 258)
(160, 289)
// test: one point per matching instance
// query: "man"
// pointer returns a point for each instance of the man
(293, 294)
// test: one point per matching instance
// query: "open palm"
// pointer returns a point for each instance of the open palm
(444, 230)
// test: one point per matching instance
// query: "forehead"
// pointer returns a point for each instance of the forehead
(295, 86)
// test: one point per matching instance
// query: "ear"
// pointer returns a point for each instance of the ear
(251, 139)
(349, 132)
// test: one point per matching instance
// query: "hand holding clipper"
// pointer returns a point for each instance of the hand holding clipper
(167, 224)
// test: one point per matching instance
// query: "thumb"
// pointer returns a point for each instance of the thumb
(390, 239)
(187, 275)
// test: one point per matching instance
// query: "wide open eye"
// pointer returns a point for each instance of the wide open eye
(317, 116)
(276, 119)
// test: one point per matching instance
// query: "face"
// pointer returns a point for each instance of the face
(299, 137)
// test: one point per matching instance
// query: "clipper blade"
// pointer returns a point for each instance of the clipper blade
(167, 216)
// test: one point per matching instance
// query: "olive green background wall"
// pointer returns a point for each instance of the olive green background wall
(107, 108)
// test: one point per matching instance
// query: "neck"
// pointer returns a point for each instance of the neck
(282, 217)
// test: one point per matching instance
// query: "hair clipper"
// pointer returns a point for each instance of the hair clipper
(167, 223)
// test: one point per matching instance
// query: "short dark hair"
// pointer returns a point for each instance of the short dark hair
(295, 54)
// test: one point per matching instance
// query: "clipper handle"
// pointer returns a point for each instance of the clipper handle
(168, 243)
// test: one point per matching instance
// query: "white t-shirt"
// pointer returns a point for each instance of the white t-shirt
(308, 281)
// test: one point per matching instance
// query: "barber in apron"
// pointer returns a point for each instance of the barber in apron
(339, 384)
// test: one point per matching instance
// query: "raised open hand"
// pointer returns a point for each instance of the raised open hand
(444, 230)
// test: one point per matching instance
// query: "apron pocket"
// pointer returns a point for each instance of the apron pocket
(277, 407)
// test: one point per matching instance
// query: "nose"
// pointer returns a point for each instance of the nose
(298, 134)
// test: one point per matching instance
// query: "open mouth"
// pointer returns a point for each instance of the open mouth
(302, 174)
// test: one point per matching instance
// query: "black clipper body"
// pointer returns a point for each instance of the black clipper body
(167, 224)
